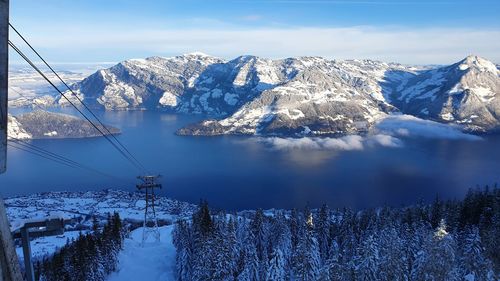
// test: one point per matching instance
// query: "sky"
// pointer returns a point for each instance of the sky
(405, 31)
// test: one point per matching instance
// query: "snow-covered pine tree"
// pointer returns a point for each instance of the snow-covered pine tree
(182, 240)
(277, 269)
(473, 264)
(393, 259)
(259, 229)
(307, 258)
(294, 223)
(250, 270)
(333, 270)
(323, 232)
(233, 246)
(280, 243)
(223, 253)
(367, 259)
(436, 214)
(203, 263)
(439, 262)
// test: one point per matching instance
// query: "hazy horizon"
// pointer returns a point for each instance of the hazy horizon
(408, 32)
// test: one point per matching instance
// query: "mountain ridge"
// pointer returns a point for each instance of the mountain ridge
(40, 124)
(298, 96)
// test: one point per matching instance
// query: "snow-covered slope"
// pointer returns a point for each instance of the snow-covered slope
(321, 97)
(152, 261)
(130, 205)
(15, 129)
(463, 93)
(81, 207)
(41, 124)
(305, 95)
(143, 83)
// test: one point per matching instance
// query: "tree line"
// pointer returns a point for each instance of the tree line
(91, 257)
(445, 240)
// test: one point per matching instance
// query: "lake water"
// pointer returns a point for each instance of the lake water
(242, 172)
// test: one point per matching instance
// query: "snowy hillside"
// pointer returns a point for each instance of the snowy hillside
(86, 204)
(464, 93)
(294, 96)
(198, 83)
(81, 207)
(441, 241)
(322, 97)
(143, 83)
(41, 124)
(157, 259)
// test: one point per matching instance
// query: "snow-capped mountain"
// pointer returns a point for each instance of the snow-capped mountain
(143, 83)
(465, 93)
(41, 124)
(305, 95)
(320, 97)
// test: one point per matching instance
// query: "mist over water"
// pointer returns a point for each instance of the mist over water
(247, 172)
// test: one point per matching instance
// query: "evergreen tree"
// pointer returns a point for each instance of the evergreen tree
(473, 263)
(307, 254)
(393, 259)
(277, 266)
(436, 213)
(323, 232)
(250, 270)
(368, 259)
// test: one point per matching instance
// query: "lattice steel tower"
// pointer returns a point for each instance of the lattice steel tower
(150, 225)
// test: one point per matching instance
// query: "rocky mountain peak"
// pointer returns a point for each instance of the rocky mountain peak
(478, 63)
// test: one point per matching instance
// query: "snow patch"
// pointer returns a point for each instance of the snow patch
(169, 99)
(463, 66)
(50, 134)
(485, 94)
(15, 129)
(447, 116)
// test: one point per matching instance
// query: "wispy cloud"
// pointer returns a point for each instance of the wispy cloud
(400, 44)
(346, 143)
(410, 126)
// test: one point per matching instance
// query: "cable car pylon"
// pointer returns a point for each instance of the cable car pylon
(150, 224)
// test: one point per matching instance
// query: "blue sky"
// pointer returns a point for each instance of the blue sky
(407, 31)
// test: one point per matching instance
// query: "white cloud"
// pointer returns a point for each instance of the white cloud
(346, 143)
(410, 126)
(387, 133)
(400, 44)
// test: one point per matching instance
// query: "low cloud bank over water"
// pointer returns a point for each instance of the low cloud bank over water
(387, 133)
(410, 126)
(352, 142)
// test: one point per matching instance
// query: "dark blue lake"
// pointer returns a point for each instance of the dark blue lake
(241, 173)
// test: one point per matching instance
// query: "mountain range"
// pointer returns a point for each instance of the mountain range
(298, 96)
